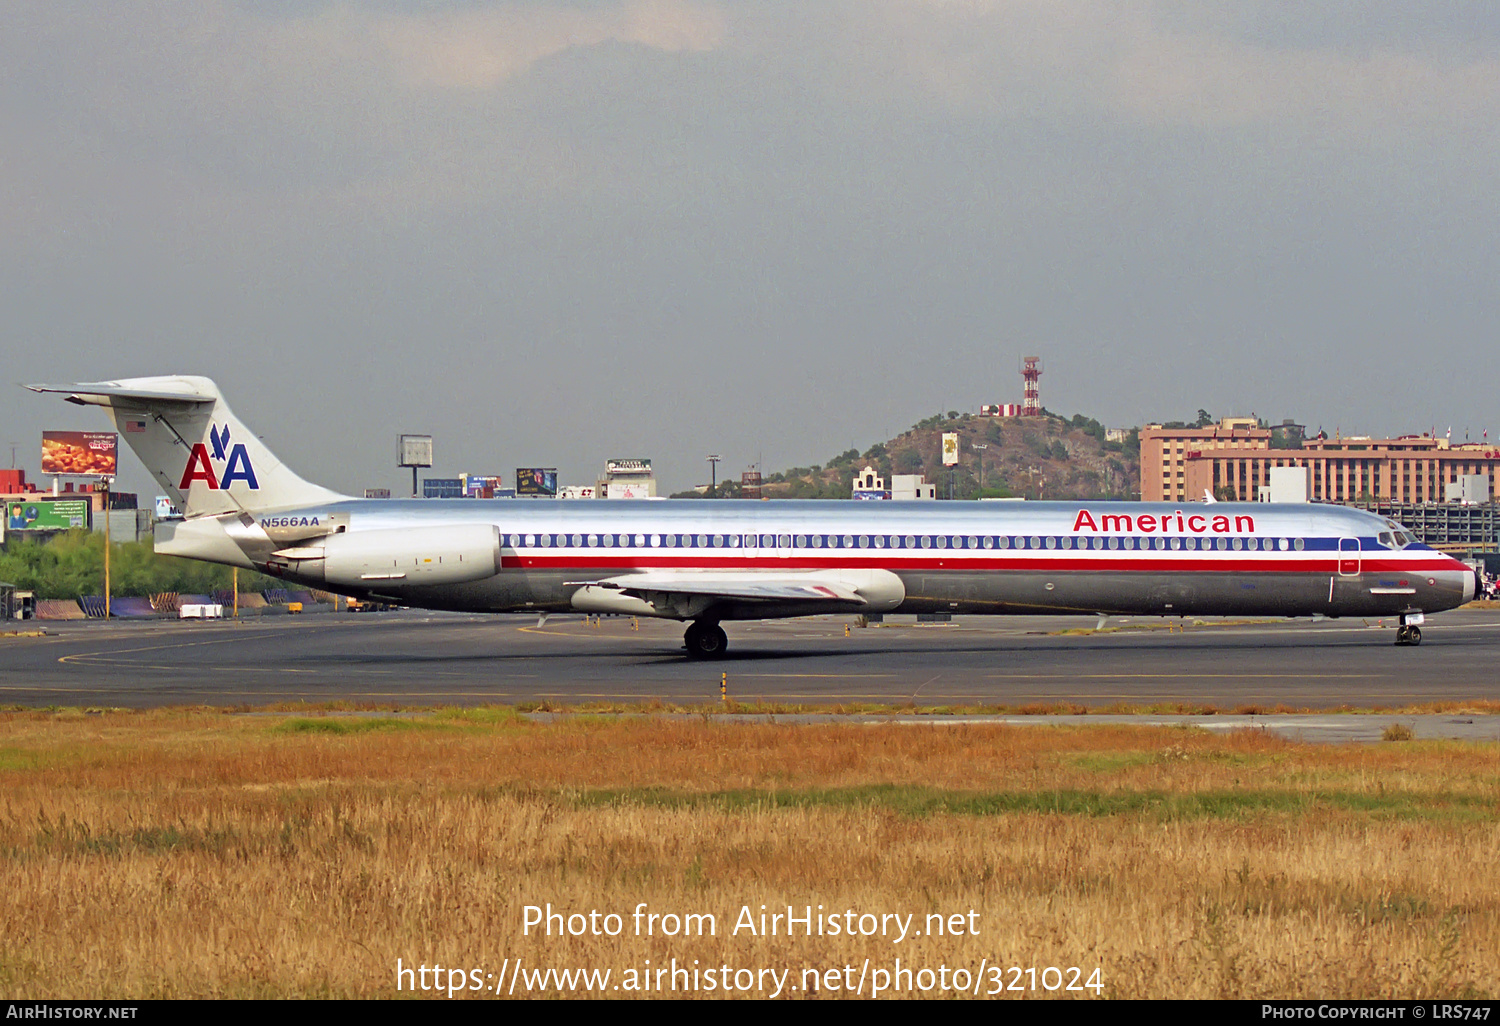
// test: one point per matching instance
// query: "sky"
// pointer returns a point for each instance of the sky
(555, 233)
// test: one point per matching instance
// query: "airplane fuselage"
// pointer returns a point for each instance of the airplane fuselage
(1194, 559)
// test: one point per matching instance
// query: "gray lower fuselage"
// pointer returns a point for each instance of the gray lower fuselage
(998, 558)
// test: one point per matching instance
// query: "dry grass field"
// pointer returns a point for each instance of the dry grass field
(195, 853)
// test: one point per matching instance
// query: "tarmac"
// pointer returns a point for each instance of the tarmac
(1248, 672)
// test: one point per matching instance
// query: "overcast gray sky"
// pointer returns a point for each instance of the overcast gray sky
(550, 233)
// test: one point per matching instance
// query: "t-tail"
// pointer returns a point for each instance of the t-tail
(196, 448)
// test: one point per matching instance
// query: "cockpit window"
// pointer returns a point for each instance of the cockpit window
(1386, 539)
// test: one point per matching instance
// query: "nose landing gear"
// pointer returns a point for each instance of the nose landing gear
(1408, 635)
(705, 639)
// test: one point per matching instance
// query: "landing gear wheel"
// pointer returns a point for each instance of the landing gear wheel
(705, 640)
(1408, 635)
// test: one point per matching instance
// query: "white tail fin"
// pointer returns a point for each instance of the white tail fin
(194, 446)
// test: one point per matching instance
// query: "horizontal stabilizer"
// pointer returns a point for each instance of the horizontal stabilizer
(164, 390)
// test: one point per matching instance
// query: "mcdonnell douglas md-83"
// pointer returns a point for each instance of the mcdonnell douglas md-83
(705, 562)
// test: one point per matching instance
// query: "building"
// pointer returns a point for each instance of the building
(1234, 458)
(1456, 528)
(868, 484)
(13, 485)
(1172, 459)
(626, 479)
(750, 483)
(910, 487)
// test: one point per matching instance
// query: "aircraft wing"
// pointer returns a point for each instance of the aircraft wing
(687, 594)
(749, 587)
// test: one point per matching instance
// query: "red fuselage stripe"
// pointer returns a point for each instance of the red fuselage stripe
(659, 559)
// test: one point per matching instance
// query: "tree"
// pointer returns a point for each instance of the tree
(907, 461)
(1204, 419)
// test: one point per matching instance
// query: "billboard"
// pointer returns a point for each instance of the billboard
(638, 466)
(950, 448)
(46, 514)
(482, 486)
(627, 490)
(536, 481)
(79, 453)
(414, 451)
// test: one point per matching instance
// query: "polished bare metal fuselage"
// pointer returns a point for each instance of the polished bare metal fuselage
(996, 558)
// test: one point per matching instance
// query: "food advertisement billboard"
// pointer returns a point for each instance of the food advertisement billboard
(79, 453)
(536, 481)
(46, 514)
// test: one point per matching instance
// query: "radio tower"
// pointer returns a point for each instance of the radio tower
(1031, 370)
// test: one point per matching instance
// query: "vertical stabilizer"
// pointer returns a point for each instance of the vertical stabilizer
(193, 444)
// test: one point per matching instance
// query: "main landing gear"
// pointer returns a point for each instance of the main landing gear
(1408, 635)
(705, 639)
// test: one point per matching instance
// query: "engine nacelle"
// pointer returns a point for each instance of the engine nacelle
(398, 559)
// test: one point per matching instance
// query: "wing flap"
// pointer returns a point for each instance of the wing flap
(689, 594)
(750, 587)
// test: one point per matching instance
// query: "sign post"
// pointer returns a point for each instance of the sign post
(950, 457)
(106, 549)
(90, 454)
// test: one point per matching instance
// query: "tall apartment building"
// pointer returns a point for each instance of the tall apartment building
(1179, 464)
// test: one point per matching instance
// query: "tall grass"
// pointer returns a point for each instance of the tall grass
(198, 854)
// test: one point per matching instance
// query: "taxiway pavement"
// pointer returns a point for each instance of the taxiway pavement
(420, 658)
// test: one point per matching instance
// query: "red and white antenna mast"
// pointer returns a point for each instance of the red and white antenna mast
(1031, 370)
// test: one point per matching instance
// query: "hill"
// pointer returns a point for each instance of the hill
(1047, 457)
